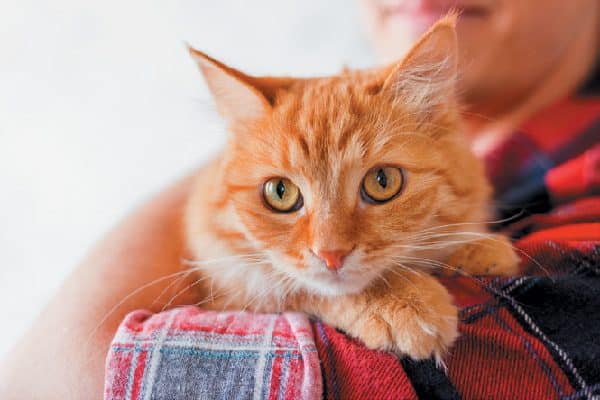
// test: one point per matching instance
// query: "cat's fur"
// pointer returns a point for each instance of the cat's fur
(324, 134)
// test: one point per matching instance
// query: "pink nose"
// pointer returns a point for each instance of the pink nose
(334, 259)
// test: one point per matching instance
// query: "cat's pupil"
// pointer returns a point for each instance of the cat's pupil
(280, 189)
(381, 178)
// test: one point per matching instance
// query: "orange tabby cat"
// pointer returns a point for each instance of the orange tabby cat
(336, 196)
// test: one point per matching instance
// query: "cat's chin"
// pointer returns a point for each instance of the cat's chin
(331, 285)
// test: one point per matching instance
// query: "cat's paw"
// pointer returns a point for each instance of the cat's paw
(418, 332)
(491, 256)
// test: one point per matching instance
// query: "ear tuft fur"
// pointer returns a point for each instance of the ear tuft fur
(426, 77)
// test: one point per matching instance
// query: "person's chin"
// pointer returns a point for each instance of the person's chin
(418, 22)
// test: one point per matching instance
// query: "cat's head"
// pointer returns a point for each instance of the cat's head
(333, 179)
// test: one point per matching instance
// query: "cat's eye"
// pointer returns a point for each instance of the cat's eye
(282, 195)
(382, 184)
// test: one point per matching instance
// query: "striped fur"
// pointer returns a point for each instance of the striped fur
(324, 134)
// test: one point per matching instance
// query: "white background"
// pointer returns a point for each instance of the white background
(100, 107)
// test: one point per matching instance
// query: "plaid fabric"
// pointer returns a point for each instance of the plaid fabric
(536, 336)
(187, 353)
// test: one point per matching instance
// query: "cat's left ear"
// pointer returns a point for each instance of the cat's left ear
(426, 77)
(239, 97)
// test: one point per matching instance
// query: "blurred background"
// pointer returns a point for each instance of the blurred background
(100, 107)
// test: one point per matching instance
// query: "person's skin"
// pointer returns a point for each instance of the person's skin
(62, 356)
(516, 56)
(529, 54)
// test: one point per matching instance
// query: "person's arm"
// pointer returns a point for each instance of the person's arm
(62, 355)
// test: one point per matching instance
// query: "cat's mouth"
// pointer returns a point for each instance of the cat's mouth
(317, 279)
(311, 274)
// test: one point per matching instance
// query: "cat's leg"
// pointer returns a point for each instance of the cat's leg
(411, 314)
(493, 255)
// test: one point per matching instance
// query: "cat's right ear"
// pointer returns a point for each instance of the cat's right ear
(238, 96)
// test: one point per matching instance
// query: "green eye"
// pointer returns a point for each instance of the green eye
(381, 184)
(282, 195)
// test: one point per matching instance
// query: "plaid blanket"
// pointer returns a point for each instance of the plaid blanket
(536, 336)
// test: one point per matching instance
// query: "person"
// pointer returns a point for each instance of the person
(518, 58)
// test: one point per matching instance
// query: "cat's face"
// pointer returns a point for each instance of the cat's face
(334, 180)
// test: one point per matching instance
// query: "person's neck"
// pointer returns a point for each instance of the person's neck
(487, 128)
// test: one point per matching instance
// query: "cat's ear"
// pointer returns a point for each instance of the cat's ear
(238, 96)
(426, 77)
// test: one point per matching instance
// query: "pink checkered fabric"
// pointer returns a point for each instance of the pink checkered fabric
(188, 353)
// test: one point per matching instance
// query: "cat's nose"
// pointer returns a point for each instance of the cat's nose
(334, 259)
